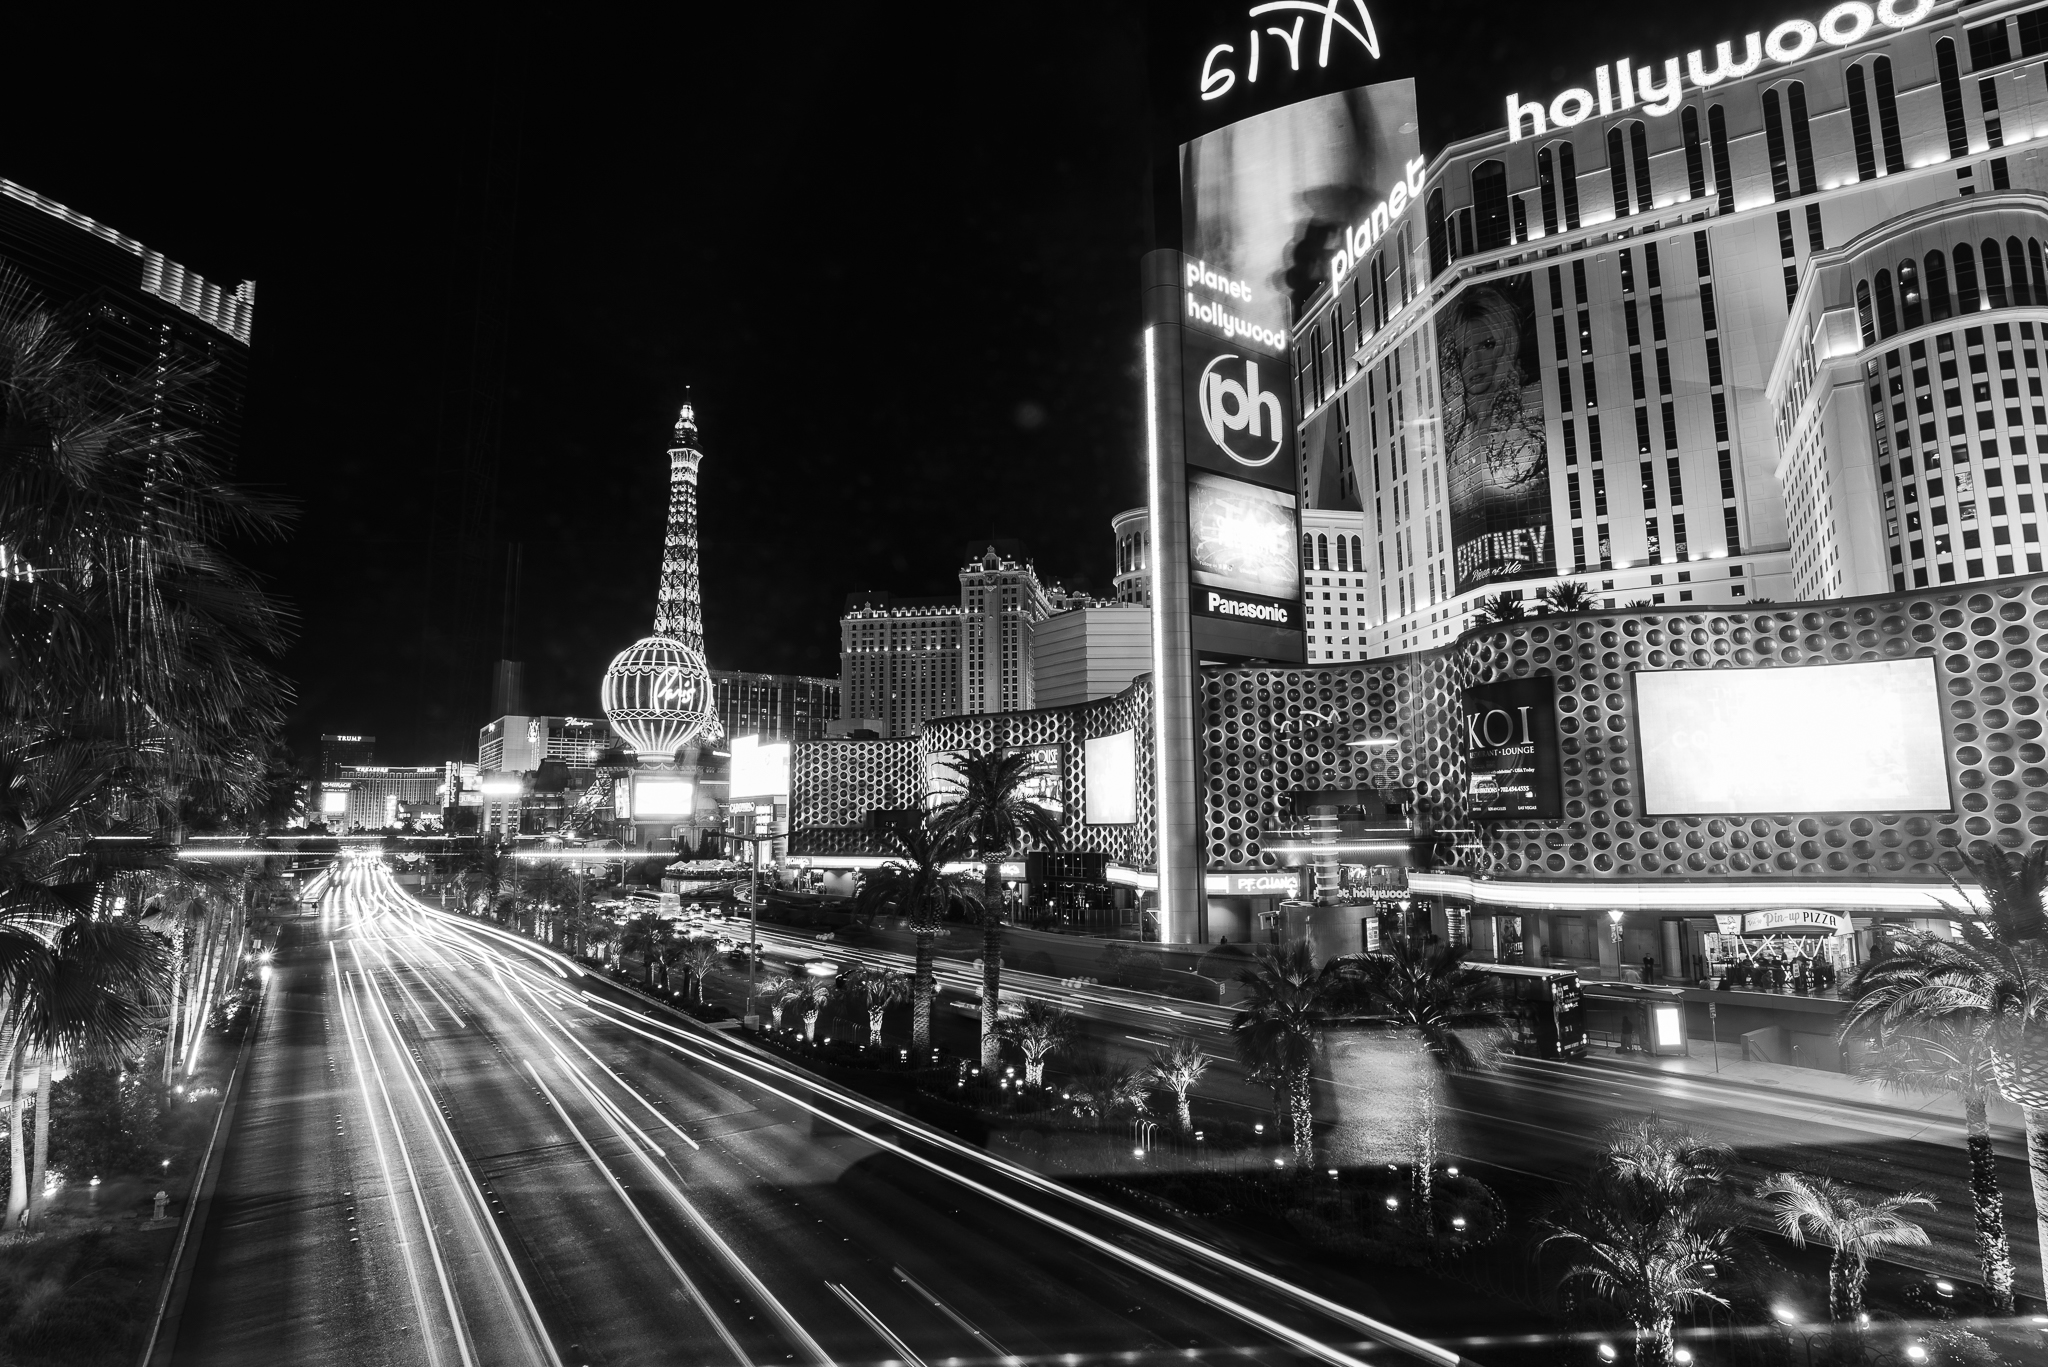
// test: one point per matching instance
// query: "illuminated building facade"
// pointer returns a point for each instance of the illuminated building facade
(337, 750)
(774, 706)
(1133, 529)
(519, 744)
(379, 796)
(1676, 252)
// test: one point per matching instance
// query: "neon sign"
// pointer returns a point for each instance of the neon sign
(1623, 85)
(1217, 81)
(1358, 241)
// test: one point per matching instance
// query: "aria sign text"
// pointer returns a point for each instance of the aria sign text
(1623, 85)
(1220, 68)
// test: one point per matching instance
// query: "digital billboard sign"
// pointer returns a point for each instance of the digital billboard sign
(759, 770)
(1511, 760)
(1494, 435)
(656, 798)
(1244, 553)
(1110, 779)
(1862, 737)
(1048, 789)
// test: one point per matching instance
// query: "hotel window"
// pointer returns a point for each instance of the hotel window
(1802, 137)
(1639, 153)
(1966, 280)
(1717, 140)
(1909, 293)
(1994, 275)
(1490, 204)
(1887, 115)
(1433, 221)
(1568, 176)
(1546, 186)
(1617, 171)
(2016, 257)
(1952, 94)
(1695, 164)
(1937, 287)
(1988, 44)
(1887, 311)
(1774, 144)
(1859, 125)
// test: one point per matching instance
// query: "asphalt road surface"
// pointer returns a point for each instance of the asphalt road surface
(456, 1148)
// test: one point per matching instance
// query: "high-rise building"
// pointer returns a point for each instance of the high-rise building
(140, 314)
(1133, 529)
(519, 744)
(774, 706)
(1700, 335)
(336, 751)
(378, 796)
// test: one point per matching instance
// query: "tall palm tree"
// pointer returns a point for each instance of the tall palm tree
(644, 935)
(778, 990)
(483, 871)
(2013, 891)
(1951, 1055)
(1178, 1068)
(1569, 595)
(1434, 995)
(987, 801)
(914, 884)
(1650, 1229)
(1975, 983)
(1039, 1029)
(1288, 1003)
(1105, 1090)
(814, 993)
(698, 958)
(1823, 1210)
(77, 994)
(1499, 609)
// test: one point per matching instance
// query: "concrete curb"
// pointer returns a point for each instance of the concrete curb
(170, 1305)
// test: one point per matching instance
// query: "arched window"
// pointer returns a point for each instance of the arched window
(1909, 293)
(1439, 241)
(1639, 153)
(1617, 170)
(1859, 125)
(1322, 552)
(1568, 179)
(1887, 115)
(1863, 313)
(1546, 185)
(2034, 271)
(1357, 554)
(1343, 561)
(1774, 145)
(1717, 143)
(1695, 160)
(1994, 275)
(2016, 259)
(1966, 280)
(1937, 288)
(1887, 312)
(1952, 98)
(1802, 136)
(1308, 551)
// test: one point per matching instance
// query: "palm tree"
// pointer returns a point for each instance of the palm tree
(2013, 891)
(1945, 1055)
(1434, 995)
(1567, 595)
(1288, 1003)
(914, 884)
(1499, 609)
(1975, 983)
(1178, 1069)
(878, 990)
(778, 990)
(1039, 1029)
(698, 958)
(988, 801)
(483, 871)
(1106, 1090)
(645, 935)
(73, 992)
(1650, 1229)
(814, 992)
(1822, 1209)
(550, 893)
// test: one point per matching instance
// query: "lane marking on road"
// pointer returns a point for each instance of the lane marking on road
(874, 1322)
(954, 1315)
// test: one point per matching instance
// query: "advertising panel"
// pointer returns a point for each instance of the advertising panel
(658, 798)
(1264, 199)
(1109, 779)
(1814, 738)
(759, 770)
(1511, 757)
(1493, 434)
(1048, 790)
(1241, 418)
(1244, 554)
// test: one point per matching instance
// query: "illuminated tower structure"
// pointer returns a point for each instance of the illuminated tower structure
(657, 692)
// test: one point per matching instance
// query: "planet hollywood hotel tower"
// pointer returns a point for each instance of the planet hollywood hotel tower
(1754, 322)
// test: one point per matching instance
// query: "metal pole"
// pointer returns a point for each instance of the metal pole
(753, 930)
(1714, 1029)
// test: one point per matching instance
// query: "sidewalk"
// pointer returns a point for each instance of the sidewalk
(1811, 1083)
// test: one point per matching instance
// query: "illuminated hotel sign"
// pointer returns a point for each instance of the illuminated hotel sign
(1623, 85)
(1216, 315)
(1220, 69)
(1511, 759)
(1374, 226)
(1790, 920)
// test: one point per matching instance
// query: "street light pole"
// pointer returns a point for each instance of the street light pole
(750, 1017)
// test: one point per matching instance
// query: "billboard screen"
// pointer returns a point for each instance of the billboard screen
(1494, 436)
(655, 798)
(759, 770)
(1110, 779)
(1814, 738)
(1048, 790)
(1244, 555)
(1511, 759)
(1266, 200)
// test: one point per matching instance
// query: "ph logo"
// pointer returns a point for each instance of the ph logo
(1232, 403)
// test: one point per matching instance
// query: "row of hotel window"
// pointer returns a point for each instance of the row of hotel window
(1879, 314)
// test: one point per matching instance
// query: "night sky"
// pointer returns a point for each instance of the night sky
(892, 250)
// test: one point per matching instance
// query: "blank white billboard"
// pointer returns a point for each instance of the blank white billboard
(654, 798)
(1820, 738)
(759, 770)
(1110, 779)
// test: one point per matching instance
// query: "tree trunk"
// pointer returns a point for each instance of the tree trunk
(991, 966)
(1425, 1153)
(1182, 1111)
(2037, 1171)
(875, 1026)
(1654, 1342)
(1303, 1117)
(42, 1157)
(1034, 1070)
(811, 1022)
(921, 996)
(1994, 1251)
(17, 1186)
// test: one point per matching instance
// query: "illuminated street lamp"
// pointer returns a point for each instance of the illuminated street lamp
(752, 1019)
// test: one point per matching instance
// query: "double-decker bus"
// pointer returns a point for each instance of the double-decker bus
(1542, 1009)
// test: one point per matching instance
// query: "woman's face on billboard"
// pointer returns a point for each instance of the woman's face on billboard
(1486, 349)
